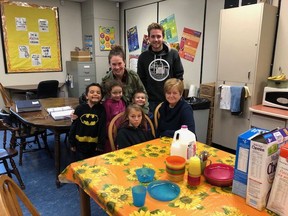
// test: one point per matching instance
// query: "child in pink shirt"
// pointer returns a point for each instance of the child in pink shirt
(113, 104)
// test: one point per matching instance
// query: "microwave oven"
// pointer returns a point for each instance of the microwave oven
(275, 97)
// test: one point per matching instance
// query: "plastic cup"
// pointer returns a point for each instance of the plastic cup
(139, 195)
(175, 168)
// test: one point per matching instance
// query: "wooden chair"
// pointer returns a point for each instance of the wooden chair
(112, 128)
(10, 197)
(157, 115)
(24, 132)
(9, 153)
(8, 102)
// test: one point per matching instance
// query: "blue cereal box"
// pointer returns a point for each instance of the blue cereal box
(239, 186)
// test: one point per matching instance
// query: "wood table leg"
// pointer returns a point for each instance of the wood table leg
(57, 155)
(84, 203)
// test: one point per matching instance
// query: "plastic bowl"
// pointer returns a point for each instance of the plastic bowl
(175, 162)
(145, 175)
(219, 174)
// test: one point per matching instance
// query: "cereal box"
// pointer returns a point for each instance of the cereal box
(242, 160)
(278, 200)
(263, 159)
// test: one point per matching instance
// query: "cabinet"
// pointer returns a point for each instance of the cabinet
(246, 38)
(268, 117)
(83, 74)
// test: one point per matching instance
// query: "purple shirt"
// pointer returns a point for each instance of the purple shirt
(112, 108)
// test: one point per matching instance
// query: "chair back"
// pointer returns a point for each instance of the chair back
(47, 89)
(112, 129)
(8, 102)
(11, 194)
(157, 115)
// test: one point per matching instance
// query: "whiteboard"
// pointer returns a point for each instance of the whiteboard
(140, 17)
(188, 13)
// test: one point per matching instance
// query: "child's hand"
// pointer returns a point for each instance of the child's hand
(73, 116)
(73, 149)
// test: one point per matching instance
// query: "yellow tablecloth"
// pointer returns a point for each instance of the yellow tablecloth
(108, 180)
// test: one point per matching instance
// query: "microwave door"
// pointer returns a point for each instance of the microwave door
(277, 98)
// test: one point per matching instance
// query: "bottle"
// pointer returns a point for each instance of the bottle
(194, 171)
(184, 143)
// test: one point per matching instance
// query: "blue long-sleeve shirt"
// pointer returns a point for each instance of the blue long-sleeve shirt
(171, 119)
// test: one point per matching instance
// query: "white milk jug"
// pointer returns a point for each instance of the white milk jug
(184, 143)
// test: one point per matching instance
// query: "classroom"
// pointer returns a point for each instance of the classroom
(236, 44)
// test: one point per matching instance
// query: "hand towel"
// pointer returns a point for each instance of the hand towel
(225, 97)
(247, 92)
(237, 99)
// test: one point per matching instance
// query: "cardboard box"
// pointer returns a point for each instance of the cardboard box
(207, 89)
(278, 200)
(239, 185)
(80, 56)
(263, 159)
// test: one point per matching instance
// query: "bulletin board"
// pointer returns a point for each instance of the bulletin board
(30, 37)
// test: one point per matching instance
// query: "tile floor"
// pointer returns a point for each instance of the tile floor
(38, 174)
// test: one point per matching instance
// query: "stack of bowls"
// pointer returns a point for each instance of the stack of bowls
(175, 168)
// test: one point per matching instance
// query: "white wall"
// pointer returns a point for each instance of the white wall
(97, 13)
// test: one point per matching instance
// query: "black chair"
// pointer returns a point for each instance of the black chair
(7, 153)
(45, 89)
(24, 132)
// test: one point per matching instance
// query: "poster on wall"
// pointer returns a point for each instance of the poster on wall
(31, 38)
(189, 43)
(88, 43)
(169, 25)
(145, 43)
(133, 60)
(106, 37)
(132, 37)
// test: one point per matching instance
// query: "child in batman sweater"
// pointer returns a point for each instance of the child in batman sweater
(87, 133)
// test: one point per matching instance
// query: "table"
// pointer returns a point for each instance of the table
(24, 88)
(268, 117)
(43, 120)
(108, 179)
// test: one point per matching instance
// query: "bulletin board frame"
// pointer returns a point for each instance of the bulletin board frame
(30, 38)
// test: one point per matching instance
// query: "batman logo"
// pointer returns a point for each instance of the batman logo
(89, 119)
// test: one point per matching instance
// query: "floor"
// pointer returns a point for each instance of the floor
(38, 174)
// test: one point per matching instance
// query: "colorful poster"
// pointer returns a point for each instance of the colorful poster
(189, 43)
(132, 37)
(169, 25)
(175, 46)
(88, 43)
(133, 60)
(106, 37)
(145, 43)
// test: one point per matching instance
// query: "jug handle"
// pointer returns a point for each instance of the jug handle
(176, 137)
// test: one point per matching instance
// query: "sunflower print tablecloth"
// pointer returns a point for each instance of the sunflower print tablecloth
(108, 179)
